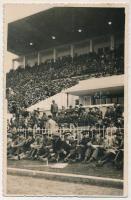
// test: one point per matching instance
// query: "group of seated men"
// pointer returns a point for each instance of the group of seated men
(91, 116)
(68, 147)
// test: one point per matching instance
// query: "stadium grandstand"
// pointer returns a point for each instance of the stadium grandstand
(65, 91)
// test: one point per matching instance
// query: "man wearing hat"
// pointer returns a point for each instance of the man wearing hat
(72, 156)
(19, 145)
(98, 112)
(110, 113)
(56, 146)
(81, 110)
(44, 150)
(11, 145)
(30, 140)
(66, 146)
(83, 144)
(43, 121)
(91, 117)
(36, 146)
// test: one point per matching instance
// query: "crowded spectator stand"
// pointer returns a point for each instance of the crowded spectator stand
(26, 87)
(72, 134)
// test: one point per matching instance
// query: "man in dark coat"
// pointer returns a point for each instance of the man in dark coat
(54, 109)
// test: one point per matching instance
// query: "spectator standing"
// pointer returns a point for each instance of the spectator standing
(54, 109)
(81, 110)
(51, 125)
(44, 120)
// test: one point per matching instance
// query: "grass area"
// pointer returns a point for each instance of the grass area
(75, 168)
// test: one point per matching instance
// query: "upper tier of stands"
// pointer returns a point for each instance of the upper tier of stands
(28, 86)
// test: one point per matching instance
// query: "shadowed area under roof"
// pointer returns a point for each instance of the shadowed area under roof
(64, 23)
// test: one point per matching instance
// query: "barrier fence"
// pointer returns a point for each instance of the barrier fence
(76, 132)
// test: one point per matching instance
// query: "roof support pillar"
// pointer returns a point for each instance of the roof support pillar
(13, 64)
(38, 58)
(24, 62)
(90, 100)
(67, 100)
(112, 42)
(91, 46)
(54, 55)
(72, 51)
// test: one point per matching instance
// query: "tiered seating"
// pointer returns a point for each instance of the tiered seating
(28, 86)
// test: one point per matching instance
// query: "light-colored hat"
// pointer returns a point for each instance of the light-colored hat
(56, 133)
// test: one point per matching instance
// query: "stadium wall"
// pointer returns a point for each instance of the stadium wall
(62, 99)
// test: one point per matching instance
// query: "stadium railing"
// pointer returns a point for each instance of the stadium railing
(75, 132)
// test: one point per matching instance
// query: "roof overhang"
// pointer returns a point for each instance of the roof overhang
(63, 23)
(113, 84)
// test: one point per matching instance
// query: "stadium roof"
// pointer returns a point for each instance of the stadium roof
(112, 83)
(62, 25)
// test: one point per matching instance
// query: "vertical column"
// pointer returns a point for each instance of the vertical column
(24, 62)
(72, 51)
(100, 97)
(90, 100)
(91, 46)
(38, 58)
(67, 100)
(13, 63)
(106, 100)
(54, 55)
(112, 42)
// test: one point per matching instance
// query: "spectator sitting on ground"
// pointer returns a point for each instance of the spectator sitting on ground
(35, 147)
(110, 149)
(118, 161)
(73, 154)
(56, 146)
(92, 148)
(83, 144)
(27, 145)
(18, 146)
(44, 151)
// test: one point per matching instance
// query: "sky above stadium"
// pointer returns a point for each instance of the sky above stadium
(13, 12)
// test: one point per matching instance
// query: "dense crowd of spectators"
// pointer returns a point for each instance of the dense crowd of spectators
(68, 147)
(78, 116)
(87, 146)
(53, 138)
(28, 86)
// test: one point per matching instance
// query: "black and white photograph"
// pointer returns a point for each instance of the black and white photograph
(65, 100)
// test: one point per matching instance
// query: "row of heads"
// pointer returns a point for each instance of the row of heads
(65, 134)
